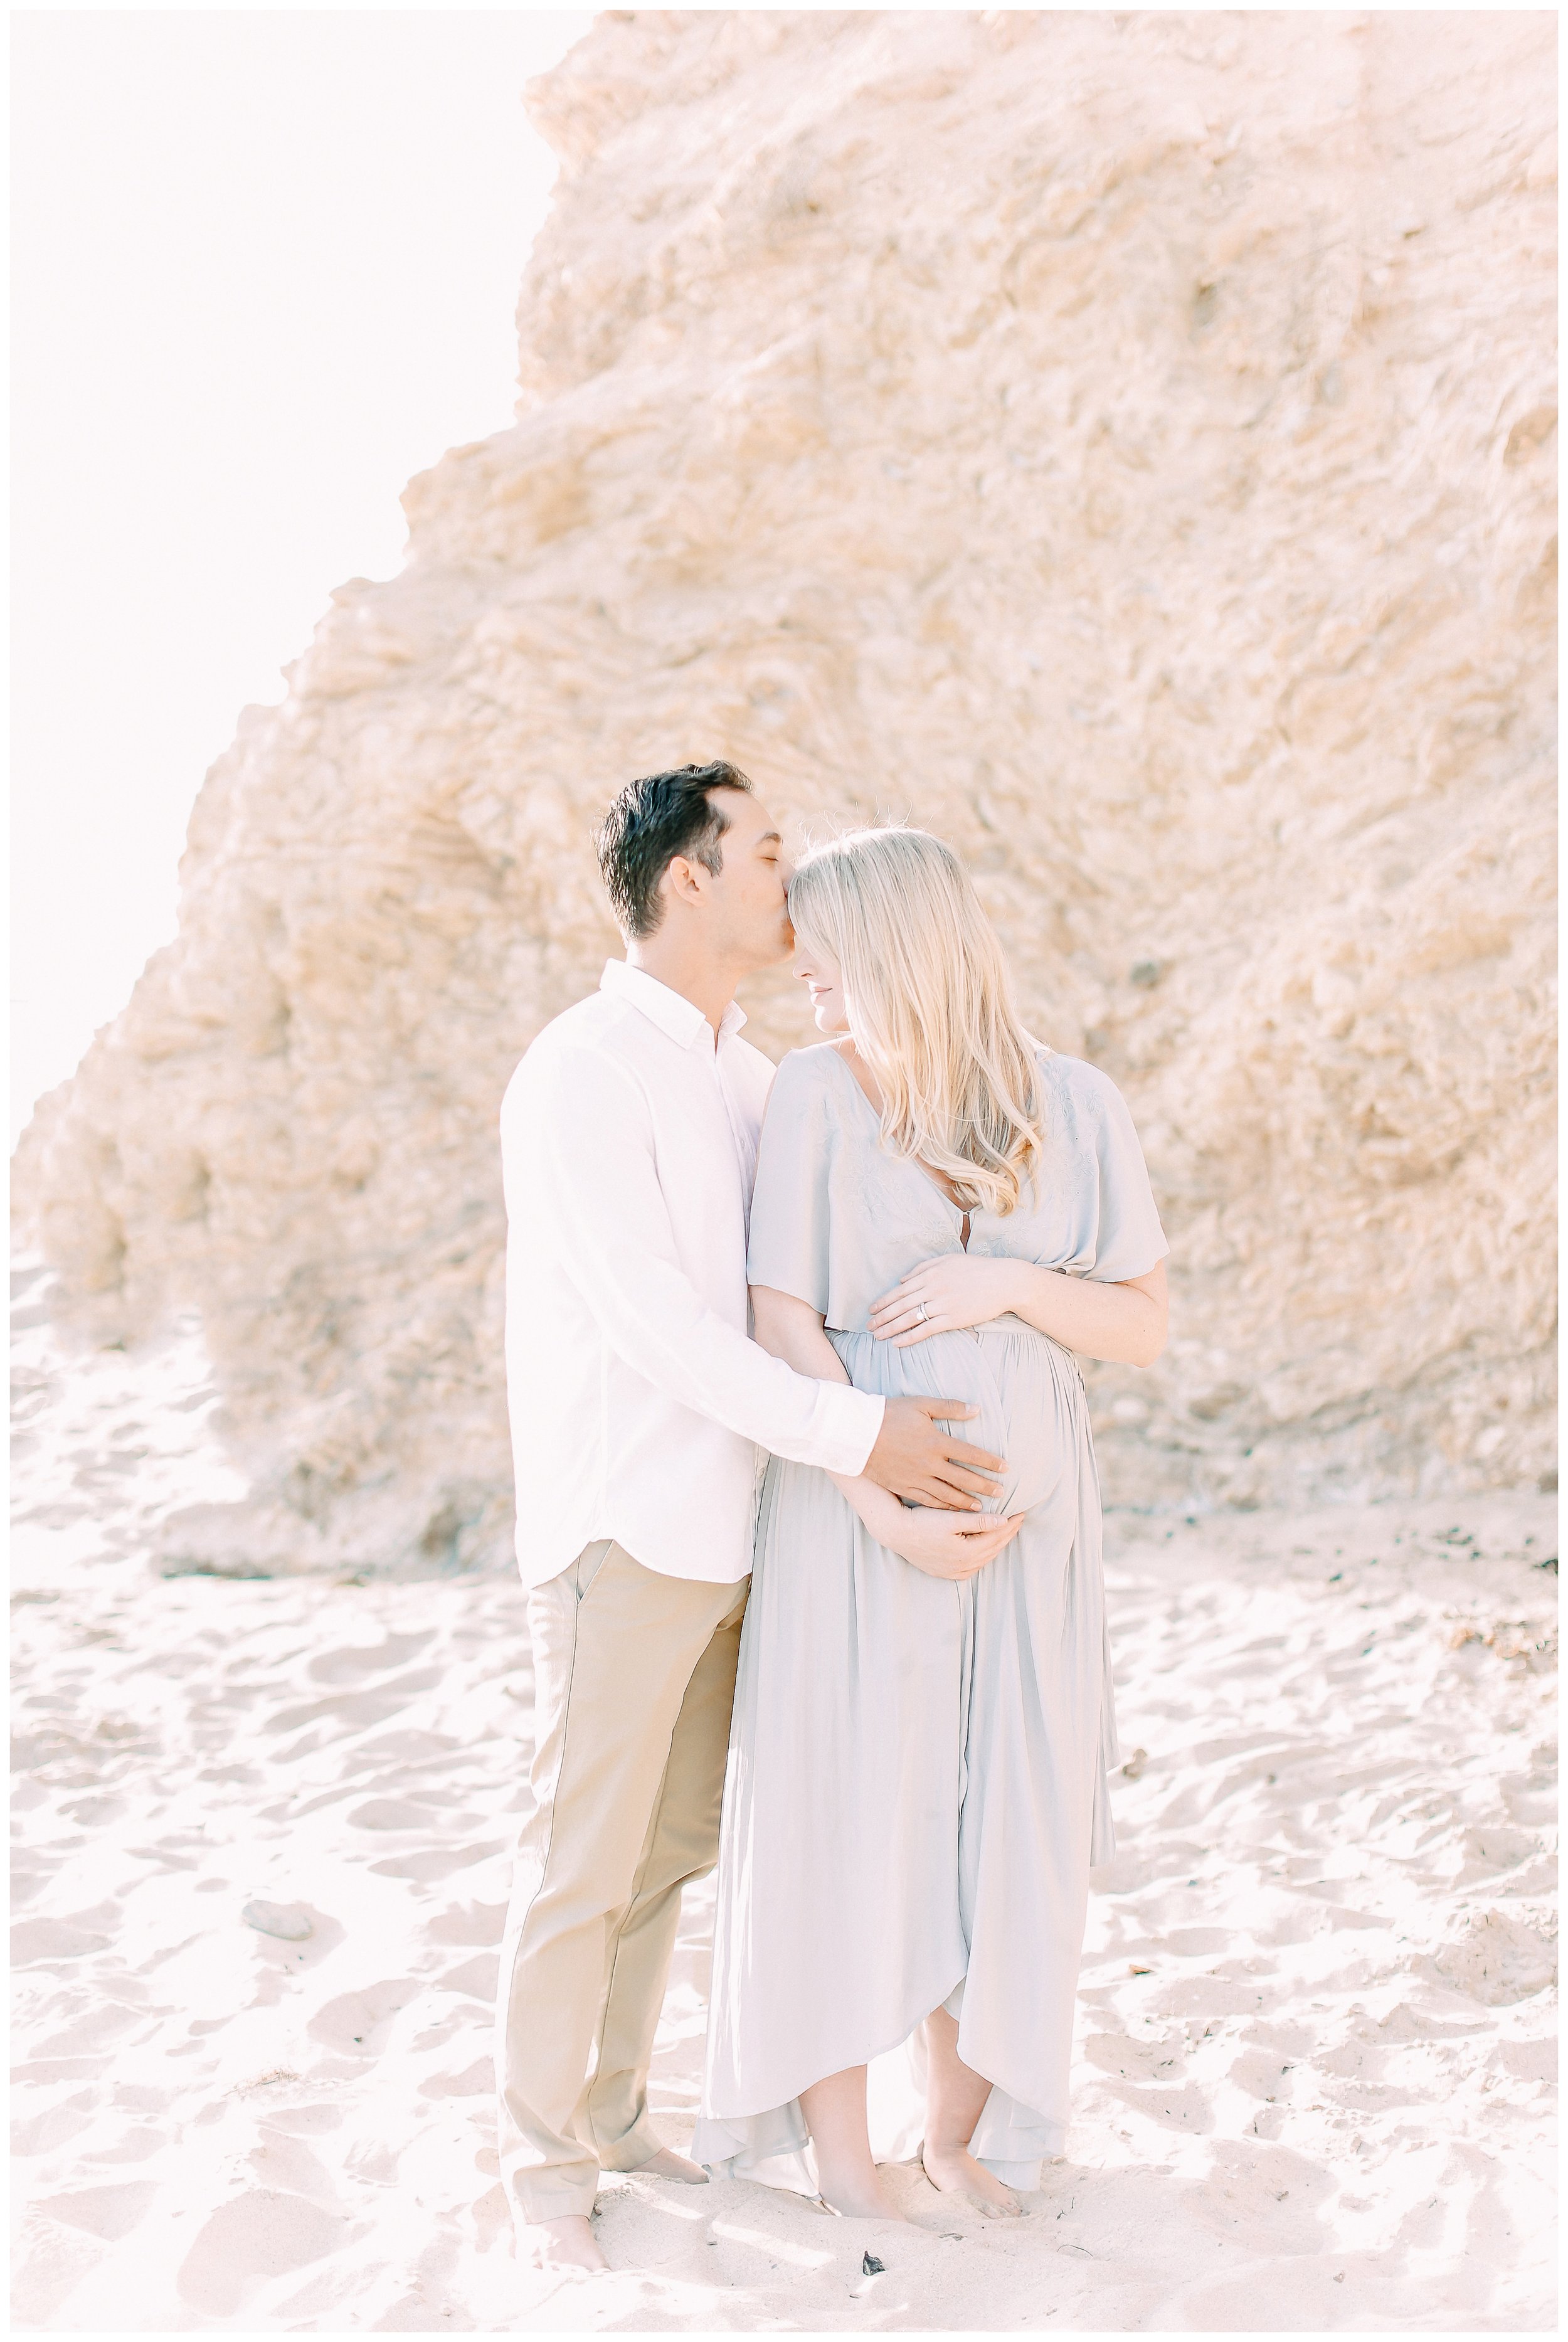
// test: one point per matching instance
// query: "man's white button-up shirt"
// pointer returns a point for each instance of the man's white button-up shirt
(628, 1146)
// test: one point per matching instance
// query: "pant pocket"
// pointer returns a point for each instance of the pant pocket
(590, 1561)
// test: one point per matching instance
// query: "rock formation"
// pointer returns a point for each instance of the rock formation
(1122, 443)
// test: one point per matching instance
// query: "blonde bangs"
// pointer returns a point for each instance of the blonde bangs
(930, 1007)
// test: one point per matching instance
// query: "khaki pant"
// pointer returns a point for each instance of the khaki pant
(634, 1680)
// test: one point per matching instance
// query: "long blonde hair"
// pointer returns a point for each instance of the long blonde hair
(930, 1007)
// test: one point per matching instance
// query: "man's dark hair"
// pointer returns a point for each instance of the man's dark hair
(652, 821)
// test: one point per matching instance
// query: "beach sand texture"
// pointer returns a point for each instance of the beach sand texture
(1313, 2083)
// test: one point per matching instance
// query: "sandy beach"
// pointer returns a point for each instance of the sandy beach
(1314, 2087)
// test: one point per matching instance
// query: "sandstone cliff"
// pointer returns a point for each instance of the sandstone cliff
(1121, 443)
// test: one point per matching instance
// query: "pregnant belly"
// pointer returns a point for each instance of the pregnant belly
(1028, 1391)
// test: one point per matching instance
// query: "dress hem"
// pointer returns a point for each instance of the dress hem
(772, 2145)
(761, 2113)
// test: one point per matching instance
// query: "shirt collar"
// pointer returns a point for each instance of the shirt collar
(681, 1018)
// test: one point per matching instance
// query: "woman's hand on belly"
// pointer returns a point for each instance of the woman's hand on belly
(954, 1545)
(943, 1296)
(946, 1545)
(1125, 1320)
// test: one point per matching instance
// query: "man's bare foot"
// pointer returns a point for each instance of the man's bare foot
(667, 2164)
(568, 2242)
(856, 2195)
(954, 2171)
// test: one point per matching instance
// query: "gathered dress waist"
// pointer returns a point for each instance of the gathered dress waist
(1007, 1324)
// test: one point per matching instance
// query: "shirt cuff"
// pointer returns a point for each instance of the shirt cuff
(852, 1425)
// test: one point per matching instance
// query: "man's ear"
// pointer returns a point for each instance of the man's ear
(681, 879)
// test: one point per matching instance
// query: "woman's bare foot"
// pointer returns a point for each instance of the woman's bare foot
(568, 2242)
(666, 2164)
(954, 2171)
(847, 2178)
(956, 2098)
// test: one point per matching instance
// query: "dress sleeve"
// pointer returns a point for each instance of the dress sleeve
(1129, 1240)
(790, 1217)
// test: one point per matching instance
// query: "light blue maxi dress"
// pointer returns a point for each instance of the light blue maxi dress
(916, 1783)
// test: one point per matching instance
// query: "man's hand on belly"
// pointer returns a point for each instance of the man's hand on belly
(924, 1464)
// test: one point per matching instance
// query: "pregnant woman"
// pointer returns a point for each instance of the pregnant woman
(917, 1770)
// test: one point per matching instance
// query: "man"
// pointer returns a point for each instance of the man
(638, 1406)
